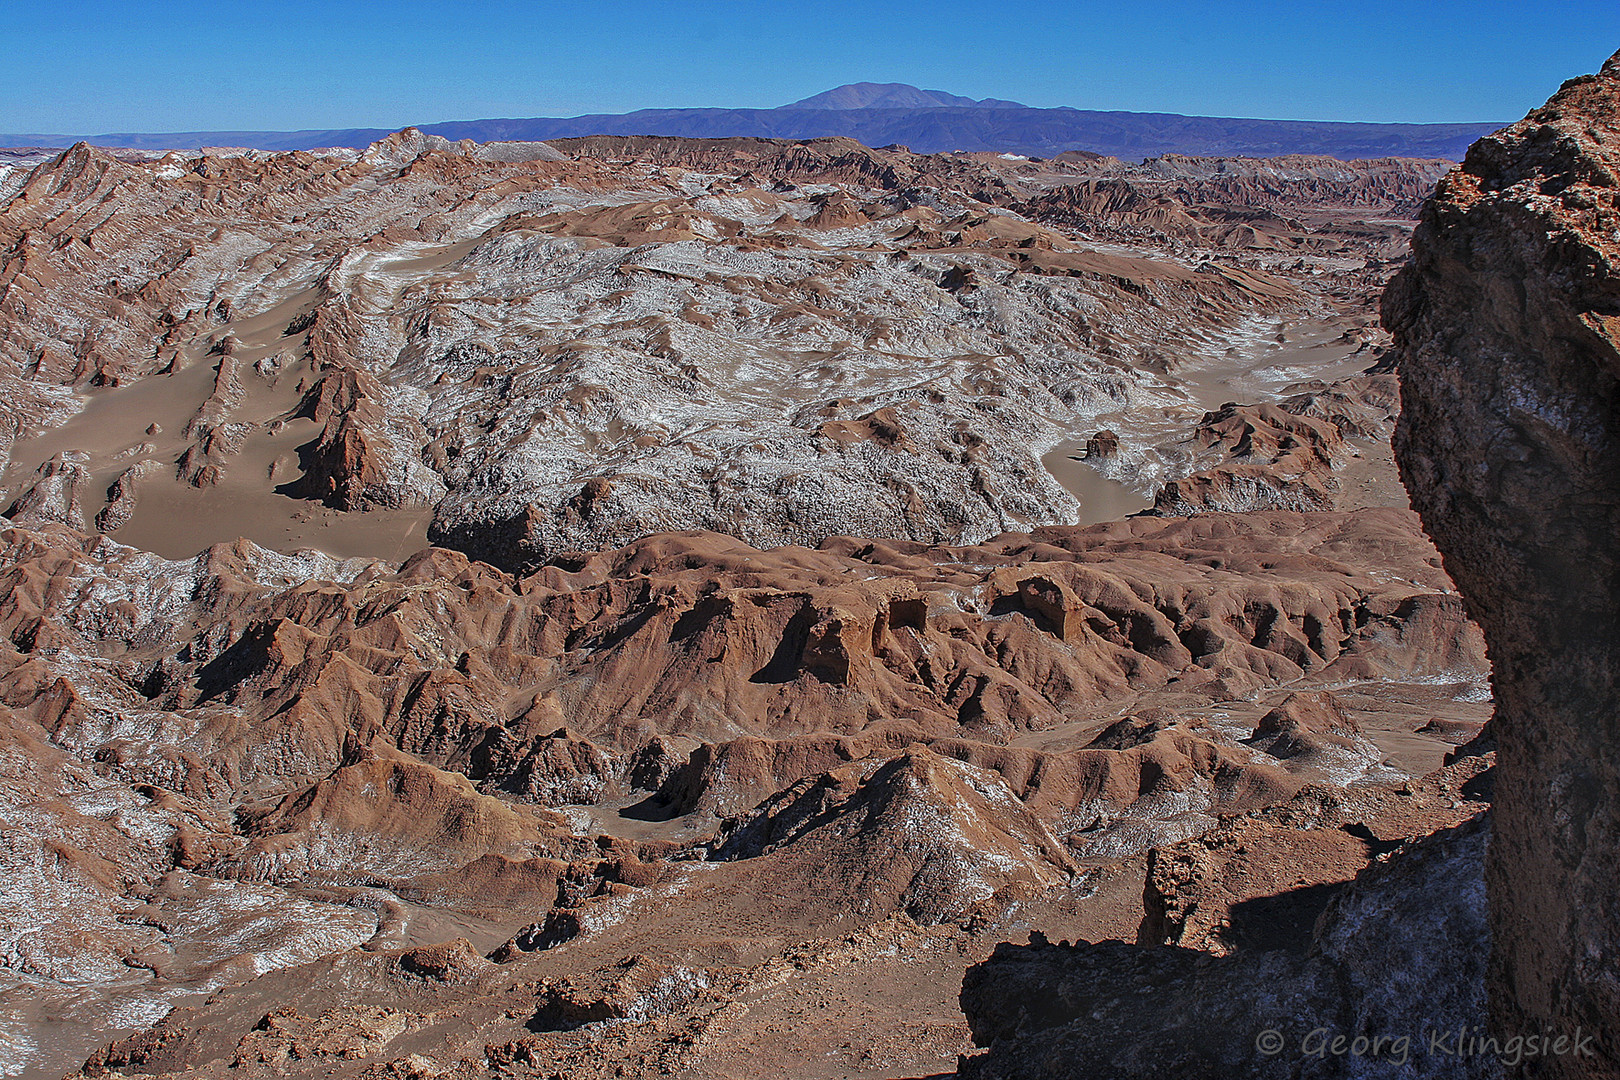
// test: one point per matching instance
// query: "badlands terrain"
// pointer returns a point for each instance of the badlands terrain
(631, 606)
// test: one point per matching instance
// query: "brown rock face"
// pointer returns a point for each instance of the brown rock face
(1314, 728)
(1508, 326)
(1103, 444)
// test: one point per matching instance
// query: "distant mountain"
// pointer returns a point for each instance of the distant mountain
(868, 95)
(884, 114)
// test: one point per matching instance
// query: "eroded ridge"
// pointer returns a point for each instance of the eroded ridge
(517, 351)
(687, 729)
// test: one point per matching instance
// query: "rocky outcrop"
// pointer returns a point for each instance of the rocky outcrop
(1508, 329)
(636, 988)
(1283, 456)
(1314, 730)
(123, 496)
(1114, 796)
(382, 815)
(922, 834)
(1395, 957)
(56, 493)
(357, 462)
(1104, 444)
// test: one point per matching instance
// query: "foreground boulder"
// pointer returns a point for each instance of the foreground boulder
(1508, 327)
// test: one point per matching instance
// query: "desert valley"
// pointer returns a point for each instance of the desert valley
(734, 607)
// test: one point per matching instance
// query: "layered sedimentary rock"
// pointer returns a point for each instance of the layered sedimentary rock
(1508, 326)
(730, 700)
(837, 736)
(522, 354)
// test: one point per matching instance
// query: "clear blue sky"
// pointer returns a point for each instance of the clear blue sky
(96, 66)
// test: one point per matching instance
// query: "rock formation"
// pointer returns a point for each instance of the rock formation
(1397, 955)
(1506, 332)
(1286, 456)
(55, 493)
(819, 739)
(637, 631)
(1103, 444)
(1508, 326)
(526, 354)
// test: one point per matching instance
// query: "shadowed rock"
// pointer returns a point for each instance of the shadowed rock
(1399, 953)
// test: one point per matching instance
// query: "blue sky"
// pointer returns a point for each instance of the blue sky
(95, 66)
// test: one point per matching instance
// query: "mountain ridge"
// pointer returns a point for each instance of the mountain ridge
(857, 111)
(870, 95)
